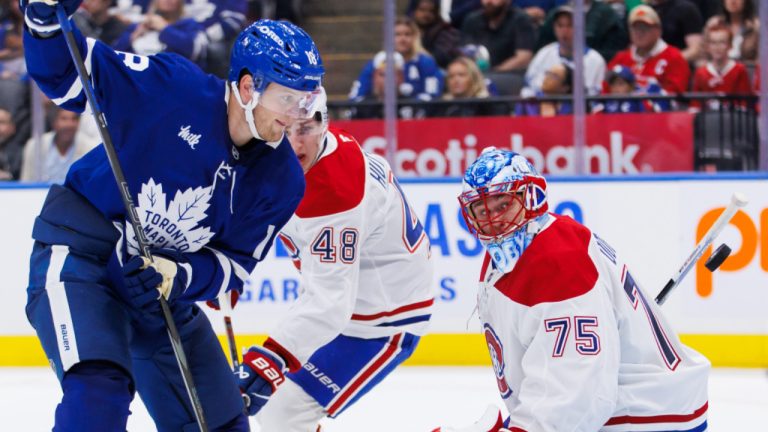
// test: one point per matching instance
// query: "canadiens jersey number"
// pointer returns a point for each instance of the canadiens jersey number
(325, 247)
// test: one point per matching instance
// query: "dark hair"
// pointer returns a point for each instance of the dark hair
(749, 12)
(568, 79)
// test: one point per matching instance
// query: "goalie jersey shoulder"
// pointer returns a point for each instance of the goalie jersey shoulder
(336, 183)
(555, 267)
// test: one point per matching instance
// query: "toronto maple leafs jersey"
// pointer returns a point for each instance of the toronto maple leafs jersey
(195, 191)
(577, 345)
(363, 254)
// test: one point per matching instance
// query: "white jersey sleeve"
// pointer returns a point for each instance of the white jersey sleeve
(577, 345)
(350, 227)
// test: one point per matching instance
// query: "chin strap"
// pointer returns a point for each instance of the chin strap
(248, 109)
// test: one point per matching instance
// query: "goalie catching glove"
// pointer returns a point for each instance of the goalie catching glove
(491, 421)
(258, 376)
(40, 15)
(146, 281)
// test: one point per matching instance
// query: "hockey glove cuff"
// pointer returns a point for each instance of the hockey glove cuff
(40, 15)
(261, 372)
(146, 281)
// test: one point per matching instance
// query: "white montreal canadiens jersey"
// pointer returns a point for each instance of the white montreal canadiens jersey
(362, 252)
(577, 345)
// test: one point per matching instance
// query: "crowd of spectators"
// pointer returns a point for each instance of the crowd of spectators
(525, 48)
(449, 52)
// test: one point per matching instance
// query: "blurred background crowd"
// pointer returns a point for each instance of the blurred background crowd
(454, 58)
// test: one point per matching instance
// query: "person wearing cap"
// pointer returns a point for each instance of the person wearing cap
(369, 87)
(422, 78)
(681, 24)
(561, 51)
(621, 81)
(652, 60)
(604, 29)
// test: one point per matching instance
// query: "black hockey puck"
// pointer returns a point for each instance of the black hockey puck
(718, 256)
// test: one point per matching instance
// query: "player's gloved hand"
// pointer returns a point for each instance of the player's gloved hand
(146, 282)
(491, 421)
(40, 15)
(258, 377)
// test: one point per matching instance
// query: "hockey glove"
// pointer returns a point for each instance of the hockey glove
(146, 282)
(491, 421)
(258, 377)
(40, 15)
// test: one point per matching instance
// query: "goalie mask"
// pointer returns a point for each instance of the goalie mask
(504, 203)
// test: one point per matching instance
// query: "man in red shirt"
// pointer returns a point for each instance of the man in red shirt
(720, 74)
(650, 58)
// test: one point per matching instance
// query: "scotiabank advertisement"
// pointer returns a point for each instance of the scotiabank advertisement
(615, 143)
(653, 224)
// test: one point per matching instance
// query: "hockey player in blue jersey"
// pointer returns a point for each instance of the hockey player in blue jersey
(214, 179)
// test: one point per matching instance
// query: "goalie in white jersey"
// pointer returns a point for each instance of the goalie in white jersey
(576, 344)
(366, 294)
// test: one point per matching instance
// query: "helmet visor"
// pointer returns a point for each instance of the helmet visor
(287, 101)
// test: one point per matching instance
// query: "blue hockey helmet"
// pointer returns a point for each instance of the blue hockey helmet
(502, 192)
(279, 52)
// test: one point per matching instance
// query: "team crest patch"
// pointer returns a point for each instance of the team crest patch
(497, 358)
(174, 225)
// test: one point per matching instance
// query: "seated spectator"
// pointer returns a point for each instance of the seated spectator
(95, 20)
(422, 78)
(720, 74)
(681, 26)
(741, 17)
(558, 81)
(562, 52)
(7, 132)
(652, 60)
(507, 32)
(538, 9)
(621, 81)
(58, 150)
(438, 37)
(376, 93)
(453, 12)
(165, 29)
(465, 81)
(12, 65)
(603, 28)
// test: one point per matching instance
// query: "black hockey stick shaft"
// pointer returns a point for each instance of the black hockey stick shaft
(738, 201)
(133, 216)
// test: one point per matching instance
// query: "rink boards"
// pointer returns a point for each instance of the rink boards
(653, 222)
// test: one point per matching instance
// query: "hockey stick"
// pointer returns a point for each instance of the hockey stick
(225, 304)
(738, 201)
(125, 194)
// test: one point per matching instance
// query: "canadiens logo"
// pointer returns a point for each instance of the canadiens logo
(173, 225)
(497, 358)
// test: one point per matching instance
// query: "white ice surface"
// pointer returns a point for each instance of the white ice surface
(412, 399)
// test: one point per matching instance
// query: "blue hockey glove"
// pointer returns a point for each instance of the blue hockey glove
(146, 282)
(258, 377)
(40, 15)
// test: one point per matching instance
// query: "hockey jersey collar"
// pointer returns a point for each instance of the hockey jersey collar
(656, 50)
(330, 144)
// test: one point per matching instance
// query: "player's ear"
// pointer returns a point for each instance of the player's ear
(245, 87)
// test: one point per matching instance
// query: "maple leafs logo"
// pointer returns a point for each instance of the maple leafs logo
(173, 226)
